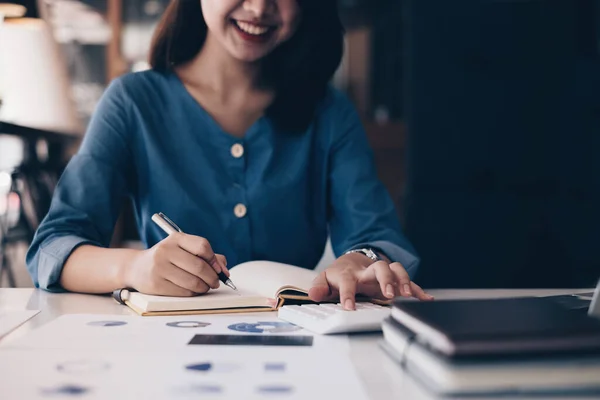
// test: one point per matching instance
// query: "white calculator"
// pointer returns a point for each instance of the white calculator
(332, 318)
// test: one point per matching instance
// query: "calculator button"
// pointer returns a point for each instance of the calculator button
(321, 312)
(317, 309)
(311, 313)
(332, 318)
(329, 306)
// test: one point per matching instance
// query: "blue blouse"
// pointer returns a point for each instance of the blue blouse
(266, 196)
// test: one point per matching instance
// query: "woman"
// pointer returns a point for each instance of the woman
(237, 137)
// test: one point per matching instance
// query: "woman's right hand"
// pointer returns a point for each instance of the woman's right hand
(180, 265)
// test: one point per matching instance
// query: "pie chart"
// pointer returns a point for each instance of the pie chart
(107, 323)
(188, 324)
(264, 327)
(208, 366)
(66, 390)
(200, 367)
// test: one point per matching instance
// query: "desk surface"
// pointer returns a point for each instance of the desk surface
(382, 378)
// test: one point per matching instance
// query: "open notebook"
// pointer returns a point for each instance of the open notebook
(258, 282)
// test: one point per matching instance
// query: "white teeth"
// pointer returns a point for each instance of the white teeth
(251, 28)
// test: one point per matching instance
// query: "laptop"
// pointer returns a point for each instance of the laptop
(586, 303)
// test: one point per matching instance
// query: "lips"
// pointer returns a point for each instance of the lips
(253, 32)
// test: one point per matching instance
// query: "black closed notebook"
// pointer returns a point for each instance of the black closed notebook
(499, 327)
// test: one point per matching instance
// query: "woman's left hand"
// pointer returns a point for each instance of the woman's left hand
(355, 273)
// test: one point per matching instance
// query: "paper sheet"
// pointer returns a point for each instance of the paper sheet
(165, 374)
(11, 320)
(131, 333)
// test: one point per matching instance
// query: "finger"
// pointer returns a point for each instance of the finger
(385, 277)
(167, 288)
(420, 293)
(319, 290)
(195, 266)
(402, 278)
(347, 288)
(184, 279)
(200, 247)
(223, 262)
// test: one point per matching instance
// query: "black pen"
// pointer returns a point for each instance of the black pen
(170, 227)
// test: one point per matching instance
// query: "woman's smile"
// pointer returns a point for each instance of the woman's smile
(252, 32)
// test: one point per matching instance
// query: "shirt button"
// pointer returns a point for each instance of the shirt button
(240, 210)
(237, 150)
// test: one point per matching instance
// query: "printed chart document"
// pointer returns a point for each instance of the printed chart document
(11, 320)
(244, 373)
(254, 356)
(135, 333)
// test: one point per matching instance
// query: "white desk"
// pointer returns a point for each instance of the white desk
(382, 378)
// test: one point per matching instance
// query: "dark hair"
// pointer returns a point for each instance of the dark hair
(299, 70)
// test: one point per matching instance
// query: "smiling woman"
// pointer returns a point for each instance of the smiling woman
(297, 45)
(237, 133)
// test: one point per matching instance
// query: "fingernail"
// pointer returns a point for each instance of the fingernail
(407, 289)
(389, 290)
(348, 304)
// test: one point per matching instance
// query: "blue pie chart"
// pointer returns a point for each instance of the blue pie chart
(66, 390)
(208, 366)
(188, 324)
(264, 327)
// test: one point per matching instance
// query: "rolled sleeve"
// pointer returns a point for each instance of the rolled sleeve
(51, 258)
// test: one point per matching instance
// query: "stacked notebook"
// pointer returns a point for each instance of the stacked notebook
(495, 347)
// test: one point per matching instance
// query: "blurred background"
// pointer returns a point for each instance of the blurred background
(484, 116)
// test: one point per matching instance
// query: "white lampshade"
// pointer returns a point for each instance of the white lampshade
(34, 82)
(8, 10)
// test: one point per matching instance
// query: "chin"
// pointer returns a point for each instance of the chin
(249, 56)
